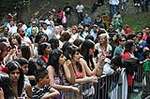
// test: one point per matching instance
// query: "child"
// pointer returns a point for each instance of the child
(24, 66)
(42, 90)
(146, 66)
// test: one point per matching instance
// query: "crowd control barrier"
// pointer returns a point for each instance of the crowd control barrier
(107, 87)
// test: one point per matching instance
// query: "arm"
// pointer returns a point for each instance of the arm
(87, 69)
(31, 77)
(1, 94)
(69, 73)
(53, 93)
(96, 70)
(57, 86)
(29, 91)
(86, 80)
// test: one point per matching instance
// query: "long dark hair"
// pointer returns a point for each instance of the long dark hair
(5, 84)
(25, 50)
(87, 44)
(40, 38)
(54, 43)
(128, 45)
(3, 47)
(13, 65)
(69, 51)
(54, 59)
(42, 47)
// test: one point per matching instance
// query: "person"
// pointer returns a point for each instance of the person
(25, 51)
(99, 21)
(24, 66)
(79, 72)
(120, 47)
(95, 6)
(146, 67)
(12, 27)
(117, 22)
(80, 9)
(114, 7)
(6, 91)
(128, 58)
(124, 5)
(91, 65)
(39, 62)
(4, 51)
(68, 9)
(42, 90)
(18, 81)
(1, 94)
(146, 5)
(87, 20)
(32, 30)
(94, 31)
(87, 49)
(103, 45)
(59, 74)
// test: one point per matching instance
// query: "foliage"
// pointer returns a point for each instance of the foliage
(137, 20)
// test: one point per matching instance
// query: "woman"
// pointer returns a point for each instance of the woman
(6, 91)
(87, 50)
(4, 51)
(39, 62)
(92, 66)
(58, 74)
(103, 45)
(17, 79)
(25, 51)
(15, 42)
(129, 60)
(72, 53)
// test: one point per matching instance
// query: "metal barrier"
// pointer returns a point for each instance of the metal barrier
(105, 85)
(100, 90)
(139, 74)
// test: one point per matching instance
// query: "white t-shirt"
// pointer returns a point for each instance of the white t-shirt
(12, 29)
(24, 27)
(108, 49)
(114, 2)
(48, 32)
(79, 8)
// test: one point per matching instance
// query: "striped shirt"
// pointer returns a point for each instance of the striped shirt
(38, 93)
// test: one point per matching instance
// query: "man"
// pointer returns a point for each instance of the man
(114, 7)
(79, 9)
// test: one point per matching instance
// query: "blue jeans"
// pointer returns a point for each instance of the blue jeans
(113, 10)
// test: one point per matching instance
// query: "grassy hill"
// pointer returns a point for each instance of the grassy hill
(136, 19)
(131, 17)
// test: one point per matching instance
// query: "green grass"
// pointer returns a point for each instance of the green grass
(137, 21)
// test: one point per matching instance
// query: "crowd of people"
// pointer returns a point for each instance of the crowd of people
(46, 58)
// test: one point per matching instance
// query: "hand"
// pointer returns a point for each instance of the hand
(93, 79)
(12, 52)
(101, 59)
(1, 93)
(68, 62)
(75, 89)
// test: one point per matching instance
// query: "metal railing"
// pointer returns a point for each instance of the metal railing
(100, 90)
(105, 86)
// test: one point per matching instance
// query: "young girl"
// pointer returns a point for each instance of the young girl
(17, 79)
(42, 90)
(58, 73)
